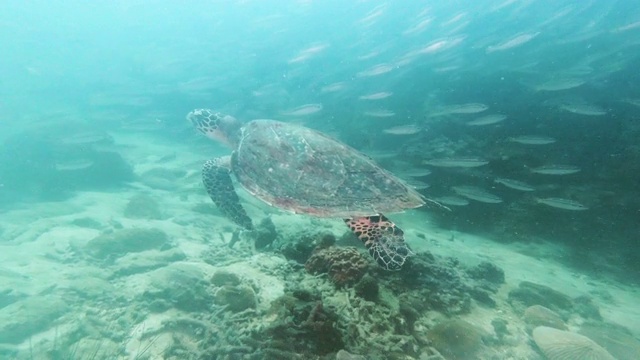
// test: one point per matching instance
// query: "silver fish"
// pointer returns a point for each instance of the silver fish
(380, 113)
(559, 84)
(333, 87)
(71, 165)
(415, 172)
(556, 169)
(565, 204)
(456, 162)
(533, 140)
(403, 130)
(452, 201)
(468, 108)
(376, 96)
(515, 41)
(417, 184)
(584, 109)
(307, 109)
(514, 184)
(477, 194)
(376, 70)
(487, 120)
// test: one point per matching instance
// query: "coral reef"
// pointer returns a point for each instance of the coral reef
(264, 234)
(456, 339)
(345, 266)
(236, 298)
(303, 325)
(438, 282)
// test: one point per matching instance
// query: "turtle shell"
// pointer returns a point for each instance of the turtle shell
(304, 171)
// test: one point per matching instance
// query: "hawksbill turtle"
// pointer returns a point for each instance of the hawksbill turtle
(300, 170)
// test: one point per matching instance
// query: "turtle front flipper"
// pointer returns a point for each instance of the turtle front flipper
(216, 176)
(382, 238)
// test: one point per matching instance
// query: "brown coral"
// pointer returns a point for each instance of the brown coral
(345, 265)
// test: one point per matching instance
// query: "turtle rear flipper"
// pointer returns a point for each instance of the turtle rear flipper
(382, 238)
(216, 176)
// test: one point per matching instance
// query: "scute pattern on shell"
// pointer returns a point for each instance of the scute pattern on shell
(565, 345)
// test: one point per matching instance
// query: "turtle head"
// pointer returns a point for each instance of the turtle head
(216, 125)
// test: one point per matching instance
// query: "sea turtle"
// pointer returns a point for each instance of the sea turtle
(304, 171)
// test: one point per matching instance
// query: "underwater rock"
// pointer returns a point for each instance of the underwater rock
(538, 315)
(367, 288)
(300, 247)
(482, 296)
(564, 345)
(264, 234)
(487, 271)
(179, 285)
(500, 328)
(124, 241)
(456, 339)
(345, 266)
(437, 280)
(616, 339)
(584, 306)
(343, 355)
(236, 298)
(143, 206)
(530, 294)
(304, 326)
(222, 278)
(30, 316)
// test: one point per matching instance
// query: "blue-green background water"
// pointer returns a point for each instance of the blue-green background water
(72, 70)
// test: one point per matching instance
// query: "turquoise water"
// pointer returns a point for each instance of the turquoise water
(519, 116)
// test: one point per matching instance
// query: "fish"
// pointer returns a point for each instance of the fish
(452, 201)
(302, 110)
(308, 53)
(477, 194)
(403, 130)
(380, 113)
(376, 96)
(337, 86)
(419, 27)
(559, 84)
(560, 203)
(634, 102)
(556, 169)
(532, 140)
(86, 138)
(456, 162)
(514, 184)
(381, 154)
(417, 184)
(71, 165)
(515, 41)
(584, 109)
(487, 120)
(468, 108)
(415, 172)
(376, 70)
